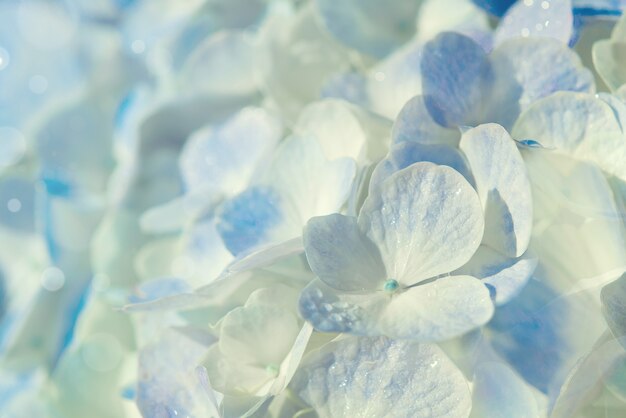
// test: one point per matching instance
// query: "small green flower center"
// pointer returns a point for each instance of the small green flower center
(272, 370)
(391, 286)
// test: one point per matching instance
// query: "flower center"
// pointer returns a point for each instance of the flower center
(391, 285)
(272, 370)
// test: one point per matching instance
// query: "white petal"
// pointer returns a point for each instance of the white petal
(414, 123)
(503, 186)
(426, 220)
(341, 255)
(435, 311)
(376, 377)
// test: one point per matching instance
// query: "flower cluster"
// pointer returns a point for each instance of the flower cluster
(312, 208)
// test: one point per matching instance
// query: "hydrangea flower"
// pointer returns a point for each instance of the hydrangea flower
(423, 223)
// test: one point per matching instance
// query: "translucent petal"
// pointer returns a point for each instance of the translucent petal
(586, 379)
(456, 79)
(548, 18)
(503, 187)
(436, 311)
(499, 393)
(341, 255)
(609, 56)
(507, 276)
(344, 379)
(614, 307)
(369, 26)
(426, 220)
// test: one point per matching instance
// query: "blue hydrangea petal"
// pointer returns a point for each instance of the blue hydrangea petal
(345, 378)
(341, 255)
(547, 18)
(456, 79)
(247, 220)
(370, 26)
(503, 186)
(495, 7)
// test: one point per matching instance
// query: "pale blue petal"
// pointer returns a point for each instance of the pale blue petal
(159, 288)
(506, 276)
(443, 309)
(370, 26)
(415, 124)
(223, 159)
(503, 186)
(169, 384)
(613, 298)
(341, 255)
(456, 79)
(17, 203)
(426, 220)
(528, 69)
(405, 154)
(247, 220)
(546, 19)
(377, 377)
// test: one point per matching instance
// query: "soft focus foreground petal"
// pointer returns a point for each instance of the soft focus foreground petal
(168, 381)
(426, 220)
(577, 232)
(614, 307)
(415, 124)
(585, 381)
(224, 159)
(503, 186)
(346, 378)
(370, 26)
(548, 18)
(528, 69)
(436, 311)
(543, 334)
(507, 276)
(497, 392)
(405, 154)
(341, 255)
(456, 79)
(609, 56)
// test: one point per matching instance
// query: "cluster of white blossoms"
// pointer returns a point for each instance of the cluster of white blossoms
(312, 208)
